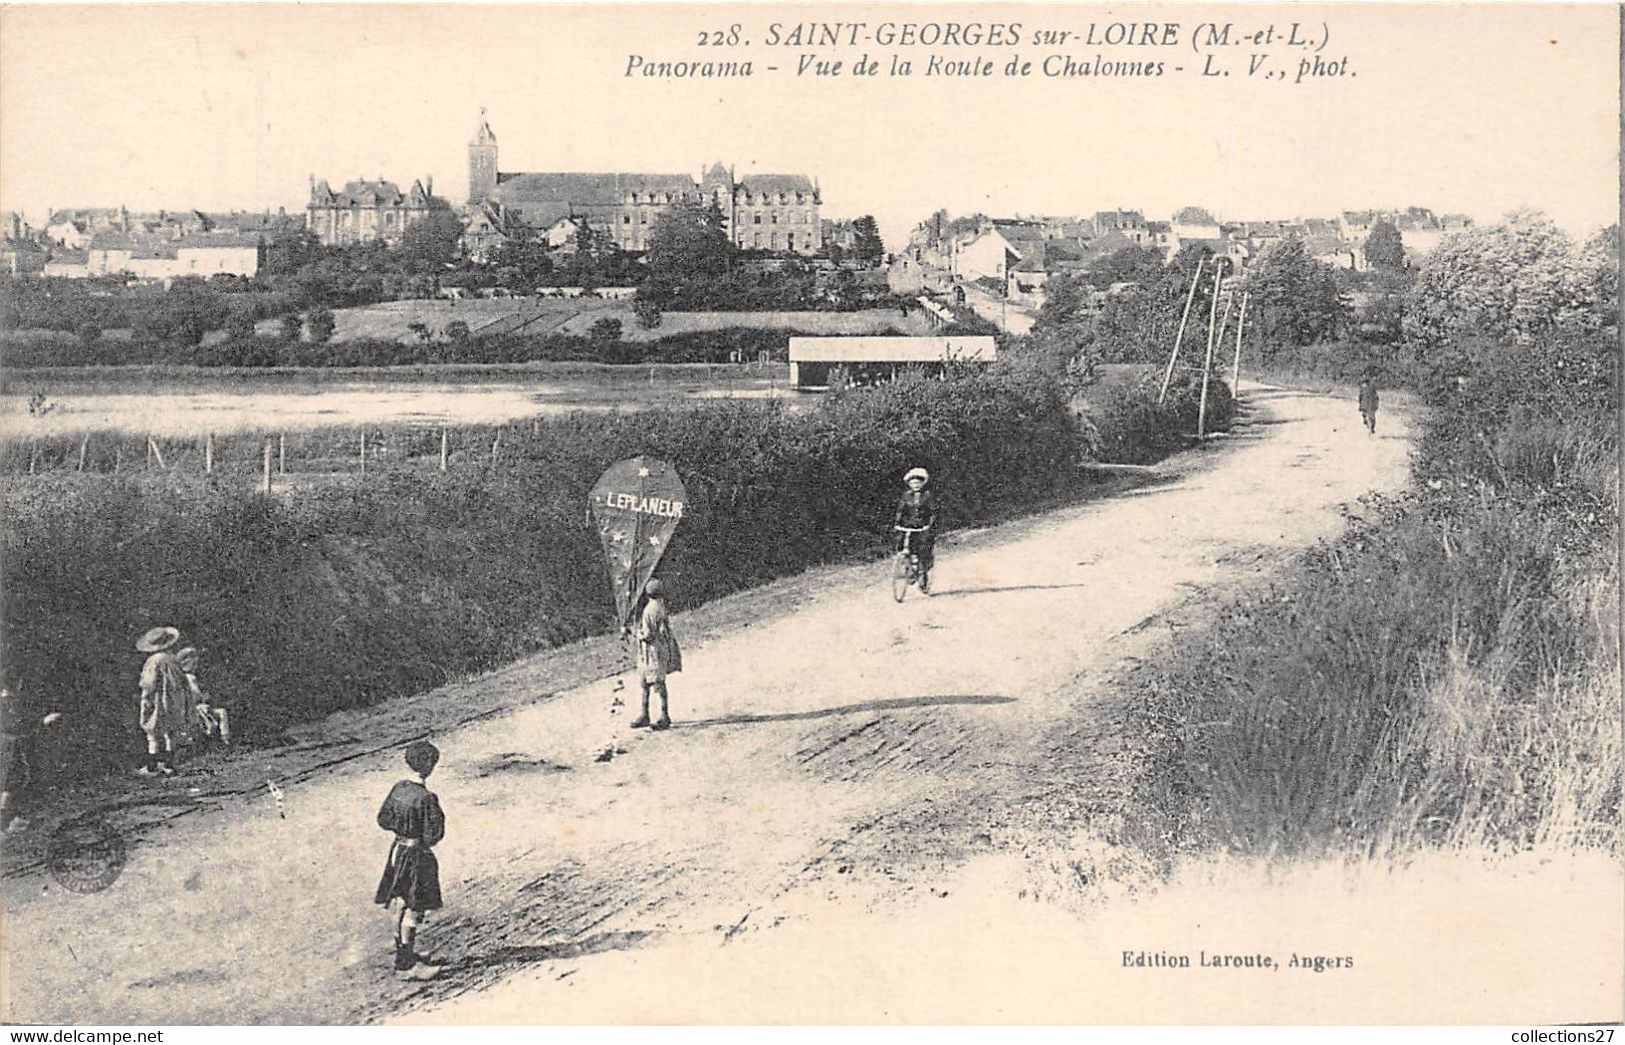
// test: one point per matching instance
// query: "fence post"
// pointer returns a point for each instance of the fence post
(33, 452)
(443, 440)
(268, 466)
(281, 453)
(84, 444)
(153, 445)
(496, 444)
(208, 453)
(363, 451)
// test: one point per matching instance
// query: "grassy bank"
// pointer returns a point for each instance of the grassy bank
(1445, 674)
(354, 592)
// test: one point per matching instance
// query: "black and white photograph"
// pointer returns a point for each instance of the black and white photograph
(828, 514)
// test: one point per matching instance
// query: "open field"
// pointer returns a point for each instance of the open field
(539, 316)
(186, 402)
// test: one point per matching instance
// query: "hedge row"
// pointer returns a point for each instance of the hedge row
(346, 595)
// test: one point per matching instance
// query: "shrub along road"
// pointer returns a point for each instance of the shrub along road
(829, 744)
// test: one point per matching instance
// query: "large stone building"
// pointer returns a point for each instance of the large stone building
(773, 212)
(365, 210)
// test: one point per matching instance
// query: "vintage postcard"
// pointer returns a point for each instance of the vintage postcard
(804, 514)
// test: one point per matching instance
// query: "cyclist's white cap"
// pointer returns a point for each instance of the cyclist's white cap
(917, 473)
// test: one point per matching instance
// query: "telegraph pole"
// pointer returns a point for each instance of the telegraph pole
(1168, 374)
(1207, 365)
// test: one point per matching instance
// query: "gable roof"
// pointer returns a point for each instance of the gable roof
(776, 183)
(584, 189)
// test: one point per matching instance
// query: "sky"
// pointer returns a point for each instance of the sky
(1471, 108)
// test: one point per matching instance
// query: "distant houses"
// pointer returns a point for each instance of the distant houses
(1016, 257)
(79, 243)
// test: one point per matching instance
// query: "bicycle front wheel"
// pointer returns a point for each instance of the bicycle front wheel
(902, 576)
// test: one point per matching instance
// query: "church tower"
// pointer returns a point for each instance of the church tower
(482, 163)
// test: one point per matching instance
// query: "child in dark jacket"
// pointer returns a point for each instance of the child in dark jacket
(412, 874)
(918, 511)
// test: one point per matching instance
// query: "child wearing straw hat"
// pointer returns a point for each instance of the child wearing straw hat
(166, 707)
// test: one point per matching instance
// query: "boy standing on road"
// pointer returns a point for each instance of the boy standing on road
(411, 873)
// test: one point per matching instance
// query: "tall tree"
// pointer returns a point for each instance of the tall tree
(1295, 299)
(687, 253)
(1384, 249)
(867, 244)
(432, 241)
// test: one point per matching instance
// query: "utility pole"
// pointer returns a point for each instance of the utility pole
(1235, 367)
(1168, 374)
(1207, 364)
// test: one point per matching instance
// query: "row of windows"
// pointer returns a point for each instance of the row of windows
(760, 199)
(756, 219)
(773, 241)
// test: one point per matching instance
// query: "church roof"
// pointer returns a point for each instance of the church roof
(584, 190)
(765, 183)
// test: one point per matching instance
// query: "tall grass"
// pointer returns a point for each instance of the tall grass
(1445, 674)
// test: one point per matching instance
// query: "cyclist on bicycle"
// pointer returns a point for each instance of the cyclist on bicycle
(918, 511)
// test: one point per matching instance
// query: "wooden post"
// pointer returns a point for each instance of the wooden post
(1207, 365)
(208, 453)
(33, 452)
(84, 444)
(118, 457)
(363, 451)
(156, 452)
(1168, 374)
(1235, 367)
(268, 466)
(282, 454)
(442, 448)
(496, 444)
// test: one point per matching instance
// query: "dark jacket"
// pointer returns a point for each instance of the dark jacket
(916, 510)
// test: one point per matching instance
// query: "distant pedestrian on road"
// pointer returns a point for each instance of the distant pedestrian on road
(412, 873)
(658, 655)
(166, 706)
(1368, 403)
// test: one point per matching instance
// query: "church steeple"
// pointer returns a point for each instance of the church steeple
(482, 163)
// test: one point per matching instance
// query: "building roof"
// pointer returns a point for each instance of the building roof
(768, 183)
(364, 192)
(1193, 216)
(890, 349)
(584, 189)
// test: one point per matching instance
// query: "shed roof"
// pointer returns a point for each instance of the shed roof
(890, 349)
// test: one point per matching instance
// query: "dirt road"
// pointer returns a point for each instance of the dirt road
(831, 748)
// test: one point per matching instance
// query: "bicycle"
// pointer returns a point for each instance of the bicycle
(906, 566)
